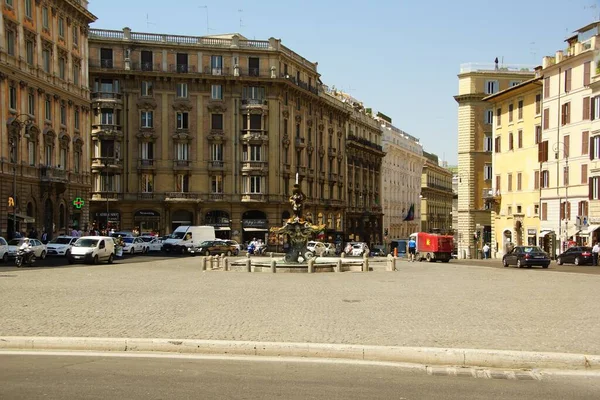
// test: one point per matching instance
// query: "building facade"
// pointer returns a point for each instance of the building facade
(436, 196)
(513, 191)
(44, 98)
(401, 181)
(211, 130)
(569, 147)
(475, 118)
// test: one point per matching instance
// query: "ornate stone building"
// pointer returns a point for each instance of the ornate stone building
(436, 196)
(211, 130)
(44, 100)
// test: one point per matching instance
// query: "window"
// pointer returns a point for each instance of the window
(146, 59)
(252, 152)
(595, 107)
(147, 119)
(568, 80)
(183, 152)
(567, 145)
(61, 68)
(499, 116)
(514, 83)
(538, 134)
(510, 113)
(510, 141)
(75, 36)
(546, 119)
(509, 210)
(565, 210)
(76, 73)
(76, 119)
(183, 183)
(216, 65)
(63, 158)
(182, 90)
(498, 184)
(586, 73)
(487, 143)
(146, 88)
(544, 211)
(31, 104)
(106, 58)
(216, 92)
(29, 52)
(182, 62)
(63, 115)
(48, 108)
(217, 121)
(584, 173)
(28, 9)
(31, 152)
(566, 176)
(216, 152)
(147, 151)
(566, 113)
(216, 184)
(77, 161)
(45, 23)
(497, 144)
(147, 181)
(182, 120)
(107, 117)
(46, 60)
(585, 142)
(536, 180)
(487, 172)
(10, 42)
(545, 179)
(491, 87)
(582, 208)
(538, 104)
(253, 92)
(12, 97)
(520, 110)
(546, 87)
(520, 139)
(586, 108)
(595, 148)
(489, 117)
(61, 27)
(253, 184)
(48, 154)
(510, 180)
(253, 66)
(543, 151)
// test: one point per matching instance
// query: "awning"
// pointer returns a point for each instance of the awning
(222, 228)
(25, 218)
(256, 230)
(590, 229)
(544, 233)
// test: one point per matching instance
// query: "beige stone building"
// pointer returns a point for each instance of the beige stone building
(436, 196)
(211, 130)
(44, 100)
(475, 117)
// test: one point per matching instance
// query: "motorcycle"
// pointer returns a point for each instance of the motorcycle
(24, 257)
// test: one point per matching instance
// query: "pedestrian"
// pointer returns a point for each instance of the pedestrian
(45, 237)
(74, 232)
(486, 249)
(595, 251)
(412, 249)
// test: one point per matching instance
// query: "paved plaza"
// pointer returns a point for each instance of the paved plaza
(422, 304)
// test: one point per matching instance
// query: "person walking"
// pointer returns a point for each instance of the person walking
(486, 249)
(412, 249)
(595, 251)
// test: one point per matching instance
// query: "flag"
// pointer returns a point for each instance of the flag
(410, 216)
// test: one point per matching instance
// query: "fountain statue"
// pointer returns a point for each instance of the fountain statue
(297, 229)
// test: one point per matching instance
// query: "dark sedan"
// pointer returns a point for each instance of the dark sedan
(526, 256)
(213, 247)
(577, 255)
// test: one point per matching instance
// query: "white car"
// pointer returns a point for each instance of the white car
(155, 244)
(320, 249)
(39, 249)
(132, 245)
(60, 246)
(3, 249)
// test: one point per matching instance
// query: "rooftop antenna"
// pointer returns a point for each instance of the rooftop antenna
(241, 21)
(207, 26)
(148, 23)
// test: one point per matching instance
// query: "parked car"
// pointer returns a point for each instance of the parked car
(39, 249)
(132, 245)
(378, 251)
(238, 247)
(356, 249)
(3, 249)
(92, 249)
(577, 255)
(213, 247)
(526, 256)
(60, 246)
(155, 244)
(316, 248)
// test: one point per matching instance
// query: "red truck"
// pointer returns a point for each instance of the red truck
(433, 247)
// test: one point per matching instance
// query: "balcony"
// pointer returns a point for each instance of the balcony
(182, 68)
(352, 139)
(255, 166)
(216, 197)
(107, 96)
(491, 194)
(107, 195)
(217, 71)
(107, 63)
(146, 66)
(183, 196)
(147, 196)
(106, 130)
(253, 104)
(182, 164)
(53, 175)
(217, 136)
(146, 164)
(216, 165)
(254, 136)
(300, 144)
(304, 85)
(254, 197)
(101, 163)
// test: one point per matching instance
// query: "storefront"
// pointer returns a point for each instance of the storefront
(181, 218)
(220, 220)
(547, 241)
(254, 226)
(113, 219)
(531, 237)
(147, 221)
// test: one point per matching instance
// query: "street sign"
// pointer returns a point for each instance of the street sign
(78, 203)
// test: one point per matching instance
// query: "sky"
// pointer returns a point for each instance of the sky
(398, 57)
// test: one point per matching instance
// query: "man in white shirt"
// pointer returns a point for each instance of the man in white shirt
(595, 251)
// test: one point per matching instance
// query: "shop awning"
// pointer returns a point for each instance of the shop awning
(25, 218)
(222, 228)
(589, 230)
(256, 229)
(544, 233)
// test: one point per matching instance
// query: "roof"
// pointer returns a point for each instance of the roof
(521, 87)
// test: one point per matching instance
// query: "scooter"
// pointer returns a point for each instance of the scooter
(24, 257)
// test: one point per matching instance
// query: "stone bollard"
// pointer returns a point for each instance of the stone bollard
(365, 263)
(311, 266)
(203, 263)
(273, 266)
(226, 264)
(271, 254)
(247, 255)
(391, 263)
(338, 266)
(248, 265)
(343, 255)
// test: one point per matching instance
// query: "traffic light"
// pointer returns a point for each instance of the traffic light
(11, 201)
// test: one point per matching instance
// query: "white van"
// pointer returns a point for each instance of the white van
(92, 249)
(185, 237)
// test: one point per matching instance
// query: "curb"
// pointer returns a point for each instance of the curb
(414, 355)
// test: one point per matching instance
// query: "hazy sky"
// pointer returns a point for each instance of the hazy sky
(398, 57)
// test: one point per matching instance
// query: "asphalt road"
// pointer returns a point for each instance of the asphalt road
(99, 377)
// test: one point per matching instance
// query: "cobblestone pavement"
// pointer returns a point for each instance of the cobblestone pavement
(422, 304)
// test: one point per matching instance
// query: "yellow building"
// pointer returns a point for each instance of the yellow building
(476, 81)
(436, 196)
(512, 193)
(44, 101)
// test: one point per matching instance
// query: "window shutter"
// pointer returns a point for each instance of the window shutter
(545, 150)
(592, 108)
(547, 87)
(541, 152)
(568, 112)
(568, 80)
(590, 188)
(562, 210)
(584, 173)
(536, 180)
(592, 150)
(585, 142)
(568, 205)
(497, 182)
(586, 73)
(586, 108)
(544, 211)
(546, 119)
(567, 142)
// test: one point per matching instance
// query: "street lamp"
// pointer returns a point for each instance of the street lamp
(106, 165)
(17, 124)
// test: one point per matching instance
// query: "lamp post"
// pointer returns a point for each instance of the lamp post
(106, 164)
(19, 122)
